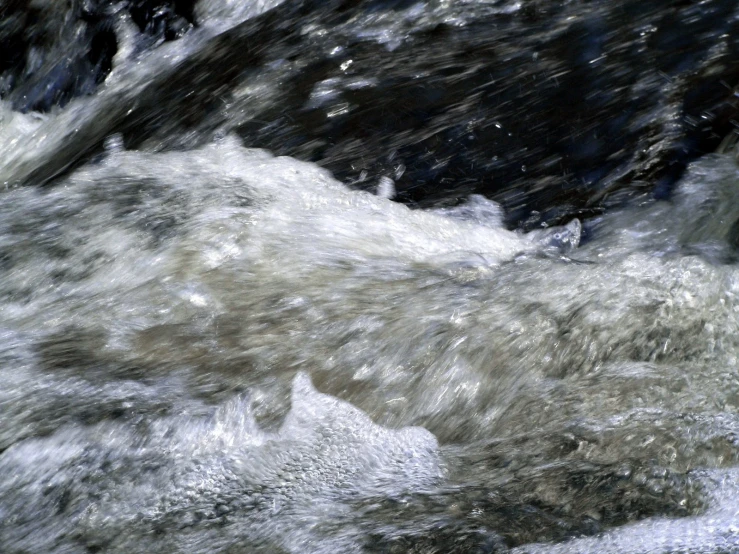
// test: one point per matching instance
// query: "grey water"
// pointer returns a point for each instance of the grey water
(211, 348)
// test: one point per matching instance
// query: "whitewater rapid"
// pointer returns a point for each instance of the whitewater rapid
(149, 298)
(206, 347)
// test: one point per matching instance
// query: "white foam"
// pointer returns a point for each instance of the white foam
(716, 530)
(220, 13)
(279, 488)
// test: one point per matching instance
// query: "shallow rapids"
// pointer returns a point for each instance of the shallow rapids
(206, 347)
(168, 320)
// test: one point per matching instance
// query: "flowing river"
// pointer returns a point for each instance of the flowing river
(207, 345)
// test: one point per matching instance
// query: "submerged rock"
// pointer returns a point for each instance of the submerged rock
(554, 109)
(55, 51)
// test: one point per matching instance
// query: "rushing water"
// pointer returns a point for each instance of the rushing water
(210, 348)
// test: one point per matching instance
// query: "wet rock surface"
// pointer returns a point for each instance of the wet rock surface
(55, 51)
(553, 109)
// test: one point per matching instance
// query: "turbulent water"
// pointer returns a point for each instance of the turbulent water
(210, 348)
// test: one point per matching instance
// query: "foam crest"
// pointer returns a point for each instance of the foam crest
(267, 488)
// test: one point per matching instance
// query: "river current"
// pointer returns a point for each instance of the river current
(208, 347)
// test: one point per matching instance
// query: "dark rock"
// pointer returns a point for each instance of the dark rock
(555, 109)
(55, 51)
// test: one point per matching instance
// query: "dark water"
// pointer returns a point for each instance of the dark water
(369, 276)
